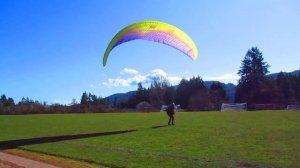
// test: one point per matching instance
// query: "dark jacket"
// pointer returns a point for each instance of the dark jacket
(170, 109)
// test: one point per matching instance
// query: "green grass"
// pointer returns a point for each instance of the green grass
(203, 139)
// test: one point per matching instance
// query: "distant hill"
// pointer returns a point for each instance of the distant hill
(274, 75)
(118, 97)
(229, 88)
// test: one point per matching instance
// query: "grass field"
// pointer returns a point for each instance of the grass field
(203, 139)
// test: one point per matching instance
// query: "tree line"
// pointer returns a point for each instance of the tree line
(191, 94)
(254, 87)
(88, 103)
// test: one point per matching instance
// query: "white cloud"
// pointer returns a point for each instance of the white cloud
(174, 79)
(115, 82)
(159, 74)
(145, 79)
(227, 78)
(129, 71)
(63, 102)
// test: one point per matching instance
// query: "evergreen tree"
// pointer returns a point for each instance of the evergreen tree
(157, 92)
(297, 87)
(218, 95)
(3, 100)
(287, 89)
(94, 100)
(169, 95)
(1, 106)
(10, 102)
(73, 102)
(84, 99)
(142, 94)
(191, 89)
(183, 93)
(253, 78)
(217, 88)
(200, 100)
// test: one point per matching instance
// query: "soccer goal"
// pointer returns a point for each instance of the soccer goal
(293, 107)
(234, 107)
(164, 108)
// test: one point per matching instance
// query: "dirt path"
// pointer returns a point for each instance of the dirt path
(13, 161)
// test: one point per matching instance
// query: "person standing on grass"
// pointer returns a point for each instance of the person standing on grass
(170, 112)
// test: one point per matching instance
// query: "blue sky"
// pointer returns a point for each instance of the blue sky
(51, 50)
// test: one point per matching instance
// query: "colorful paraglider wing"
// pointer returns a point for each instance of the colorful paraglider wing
(154, 31)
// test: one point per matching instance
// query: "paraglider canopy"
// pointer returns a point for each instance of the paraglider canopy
(155, 31)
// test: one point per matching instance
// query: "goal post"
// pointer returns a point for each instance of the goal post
(293, 107)
(164, 108)
(234, 107)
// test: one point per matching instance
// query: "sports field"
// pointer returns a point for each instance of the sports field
(198, 139)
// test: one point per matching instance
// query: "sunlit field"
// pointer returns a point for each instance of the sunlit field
(198, 139)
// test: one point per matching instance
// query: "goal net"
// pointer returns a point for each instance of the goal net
(293, 107)
(164, 108)
(176, 109)
(234, 107)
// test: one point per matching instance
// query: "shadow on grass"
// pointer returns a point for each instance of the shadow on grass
(159, 126)
(32, 141)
